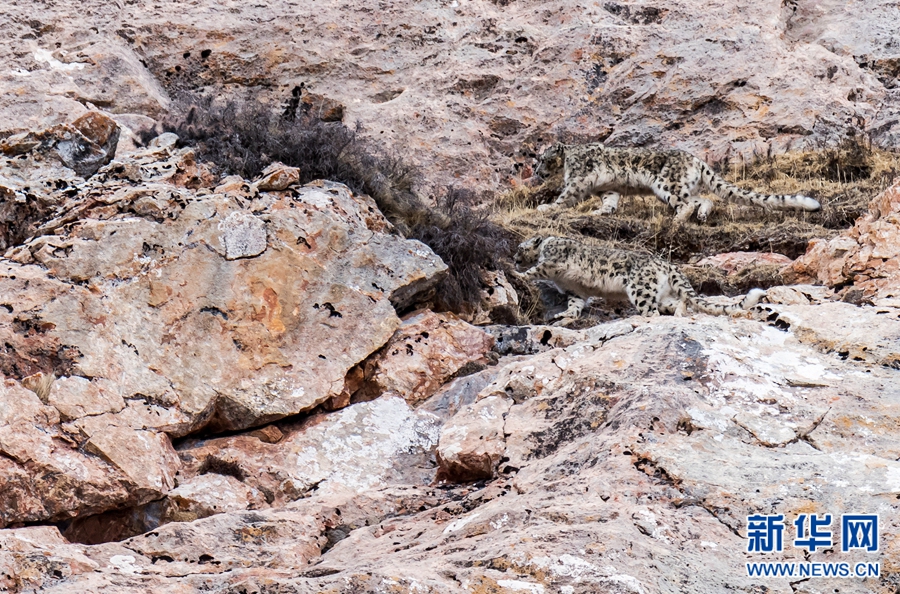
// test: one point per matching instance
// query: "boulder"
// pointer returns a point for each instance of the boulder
(472, 442)
(143, 310)
(84, 146)
(278, 176)
(426, 351)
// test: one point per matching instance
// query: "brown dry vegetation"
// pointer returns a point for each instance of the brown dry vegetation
(843, 178)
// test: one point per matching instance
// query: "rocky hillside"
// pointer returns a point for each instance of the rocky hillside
(227, 384)
(209, 389)
(469, 89)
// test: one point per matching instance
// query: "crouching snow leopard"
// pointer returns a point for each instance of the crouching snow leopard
(673, 176)
(650, 284)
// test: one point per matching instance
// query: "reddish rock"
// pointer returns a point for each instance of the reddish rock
(250, 285)
(191, 174)
(737, 262)
(100, 129)
(278, 176)
(268, 434)
(424, 353)
(145, 457)
(607, 458)
(76, 397)
(48, 476)
(38, 557)
(866, 256)
(162, 310)
(473, 441)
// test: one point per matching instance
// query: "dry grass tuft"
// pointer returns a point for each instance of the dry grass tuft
(843, 178)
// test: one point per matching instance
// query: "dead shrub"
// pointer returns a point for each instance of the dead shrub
(468, 243)
(244, 137)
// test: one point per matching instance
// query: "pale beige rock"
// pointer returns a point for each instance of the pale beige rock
(798, 294)
(860, 333)
(49, 84)
(278, 176)
(243, 234)
(472, 442)
(83, 145)
(356, 448)
(473, 90)
(76, 397)
(424, 353)
(530, 340)
(234, 185)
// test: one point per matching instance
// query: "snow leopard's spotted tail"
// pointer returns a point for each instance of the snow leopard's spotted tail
(678, 281)
(723, 189)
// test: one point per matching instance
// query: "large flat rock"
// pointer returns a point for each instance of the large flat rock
(142, 310)
(624, 462)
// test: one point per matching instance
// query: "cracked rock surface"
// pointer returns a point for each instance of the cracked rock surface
(142, 310)
(473, 87)
(225, 385)
(207, 388)
(627, 461)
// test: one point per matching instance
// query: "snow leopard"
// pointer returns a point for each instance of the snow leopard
(673, 176)
(583, 271)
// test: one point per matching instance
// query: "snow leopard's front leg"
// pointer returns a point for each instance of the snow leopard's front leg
(642, 298)
(610, 203)
(574, 309)
(573, 193)
(540, 271)
(572, 313)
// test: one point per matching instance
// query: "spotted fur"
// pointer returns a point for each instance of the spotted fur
(673, 176)
(583, 271)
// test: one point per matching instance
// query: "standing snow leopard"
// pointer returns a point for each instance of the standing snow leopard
(583, 271)
(673, 176)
